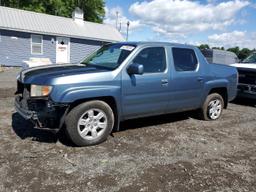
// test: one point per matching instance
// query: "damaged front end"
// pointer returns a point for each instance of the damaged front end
(42, 111)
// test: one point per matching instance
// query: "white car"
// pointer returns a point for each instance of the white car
(247, 77)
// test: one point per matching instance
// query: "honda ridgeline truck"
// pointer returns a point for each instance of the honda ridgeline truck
(123, 81)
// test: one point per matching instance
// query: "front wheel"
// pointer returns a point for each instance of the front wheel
(212, 108)
(89, 123)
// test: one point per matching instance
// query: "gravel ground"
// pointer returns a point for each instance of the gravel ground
(165, 153)
(8, 80)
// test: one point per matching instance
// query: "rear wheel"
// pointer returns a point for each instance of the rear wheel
(212, 108)
(89, 123)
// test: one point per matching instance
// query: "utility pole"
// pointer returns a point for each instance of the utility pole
(127, 32)
(120, 27)
(117, 13)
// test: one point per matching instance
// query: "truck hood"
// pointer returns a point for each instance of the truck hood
(43, 75)
(245, 65)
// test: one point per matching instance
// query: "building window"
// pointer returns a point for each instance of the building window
(37, 44)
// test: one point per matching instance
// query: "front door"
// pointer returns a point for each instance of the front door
(146, 94)
(62, 50)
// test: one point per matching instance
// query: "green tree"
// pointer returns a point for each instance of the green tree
(220, 48)
(93, 9)
(243, 53)
(235, 50)
(204, 46)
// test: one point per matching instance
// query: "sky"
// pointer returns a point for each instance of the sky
(215, 22)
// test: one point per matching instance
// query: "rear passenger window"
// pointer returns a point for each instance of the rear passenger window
(184, 59)
(153, 59)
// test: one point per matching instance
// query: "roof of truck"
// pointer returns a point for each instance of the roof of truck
(152, 43)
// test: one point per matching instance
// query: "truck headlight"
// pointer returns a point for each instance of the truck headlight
(40, 90)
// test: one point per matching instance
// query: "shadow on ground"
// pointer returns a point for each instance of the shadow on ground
(245, 102)
(25, 129)
(156, 120)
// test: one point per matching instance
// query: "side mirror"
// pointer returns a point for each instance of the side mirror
(135, 69)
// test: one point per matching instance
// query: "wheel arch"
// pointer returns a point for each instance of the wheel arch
(221, 91)
(110, 100)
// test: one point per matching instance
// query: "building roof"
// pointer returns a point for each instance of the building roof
(28, 21)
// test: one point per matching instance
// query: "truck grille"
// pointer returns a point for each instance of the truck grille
(247, 76)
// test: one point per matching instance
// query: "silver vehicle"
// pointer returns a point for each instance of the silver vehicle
(247, 77)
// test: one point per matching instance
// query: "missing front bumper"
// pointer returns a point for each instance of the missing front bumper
(26, 114)
(48, 117)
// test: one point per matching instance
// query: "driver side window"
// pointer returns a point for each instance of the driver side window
(153, 59)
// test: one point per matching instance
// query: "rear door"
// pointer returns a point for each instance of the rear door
(146, 94)
(186, 85)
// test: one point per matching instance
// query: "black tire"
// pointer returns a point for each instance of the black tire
(204, 112)
(73, 117)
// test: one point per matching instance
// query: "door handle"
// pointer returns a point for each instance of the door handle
(164, 81)
(200, 79)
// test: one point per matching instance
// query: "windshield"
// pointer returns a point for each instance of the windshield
(109, 56)
(250, 59)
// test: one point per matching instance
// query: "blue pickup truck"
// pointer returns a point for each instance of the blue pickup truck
(123, 81)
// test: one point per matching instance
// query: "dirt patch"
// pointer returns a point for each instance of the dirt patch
(165, 153)
(7, 92)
